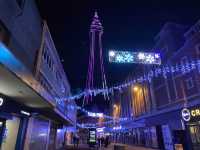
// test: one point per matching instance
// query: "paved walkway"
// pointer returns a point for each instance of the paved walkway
(110, 147)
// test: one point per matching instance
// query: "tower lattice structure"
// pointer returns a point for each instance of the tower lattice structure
(96, 77)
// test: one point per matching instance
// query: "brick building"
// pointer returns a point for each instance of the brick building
(159, 103)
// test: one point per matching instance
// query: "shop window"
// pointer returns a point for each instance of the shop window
(10, 134)
(38, 132)
(195, 134)
(189, 83)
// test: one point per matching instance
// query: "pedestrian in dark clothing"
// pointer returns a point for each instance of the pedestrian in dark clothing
(77, 141)
(102, 141)
(106, 141)
(74, 141)
(99, 142)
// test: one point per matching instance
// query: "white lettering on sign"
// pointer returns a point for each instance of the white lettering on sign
(1, 101)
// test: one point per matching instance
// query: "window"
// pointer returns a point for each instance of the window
(198, 49)
(20, 3)
(164, 49)
(184, 60)
(189, 83)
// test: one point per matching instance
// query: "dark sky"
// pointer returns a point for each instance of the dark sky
(128, 24)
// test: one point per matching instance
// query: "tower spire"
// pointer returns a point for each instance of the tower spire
(96, 24)
(96, 14)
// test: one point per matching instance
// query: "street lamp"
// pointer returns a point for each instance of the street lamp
(135, 88)
(115, 106)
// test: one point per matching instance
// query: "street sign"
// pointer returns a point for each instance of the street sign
(134, 57)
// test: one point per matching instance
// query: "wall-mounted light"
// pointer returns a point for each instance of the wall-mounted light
(115, 106)
(25, 113)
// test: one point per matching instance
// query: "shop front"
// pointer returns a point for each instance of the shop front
(13, 122)
(145, 136)
(191, 117)
(37, 133)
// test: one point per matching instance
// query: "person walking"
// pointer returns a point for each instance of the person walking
(74, 140)
(77, 141)
(106, 141)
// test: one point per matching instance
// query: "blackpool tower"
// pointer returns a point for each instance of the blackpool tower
(96, 74)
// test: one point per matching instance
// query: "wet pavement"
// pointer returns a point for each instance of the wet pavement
(110, 147)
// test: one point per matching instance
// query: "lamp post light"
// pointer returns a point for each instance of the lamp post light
(135, 88)
(115, 106)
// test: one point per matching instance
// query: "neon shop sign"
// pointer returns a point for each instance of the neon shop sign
(190, 114)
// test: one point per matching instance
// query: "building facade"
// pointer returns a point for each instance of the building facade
(158, 104)
(35, 113)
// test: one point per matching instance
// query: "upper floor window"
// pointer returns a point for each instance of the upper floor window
(58, 76)
(20, 3)
(139, 93)
(184, 60)
(198, 48)
(164, 49)
(189, 83)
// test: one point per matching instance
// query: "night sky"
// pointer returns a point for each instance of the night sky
(128, 24)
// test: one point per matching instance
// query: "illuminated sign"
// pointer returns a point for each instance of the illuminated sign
(190, 114)
(92, 136)
(134, 57)
(185, 114)
(100, 129)
(1, 101)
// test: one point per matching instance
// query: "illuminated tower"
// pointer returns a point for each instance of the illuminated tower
(96, 75)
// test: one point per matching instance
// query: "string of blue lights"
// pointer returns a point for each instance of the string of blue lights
(98, 115)
(163, 70)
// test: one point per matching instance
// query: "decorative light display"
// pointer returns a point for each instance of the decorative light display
(134, 57)
(96, 32)
(161, 71)
(98, 115)
(110, 122)
(117, 128)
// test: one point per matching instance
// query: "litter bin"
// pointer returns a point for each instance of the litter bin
(120, 147)
(178, 147)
